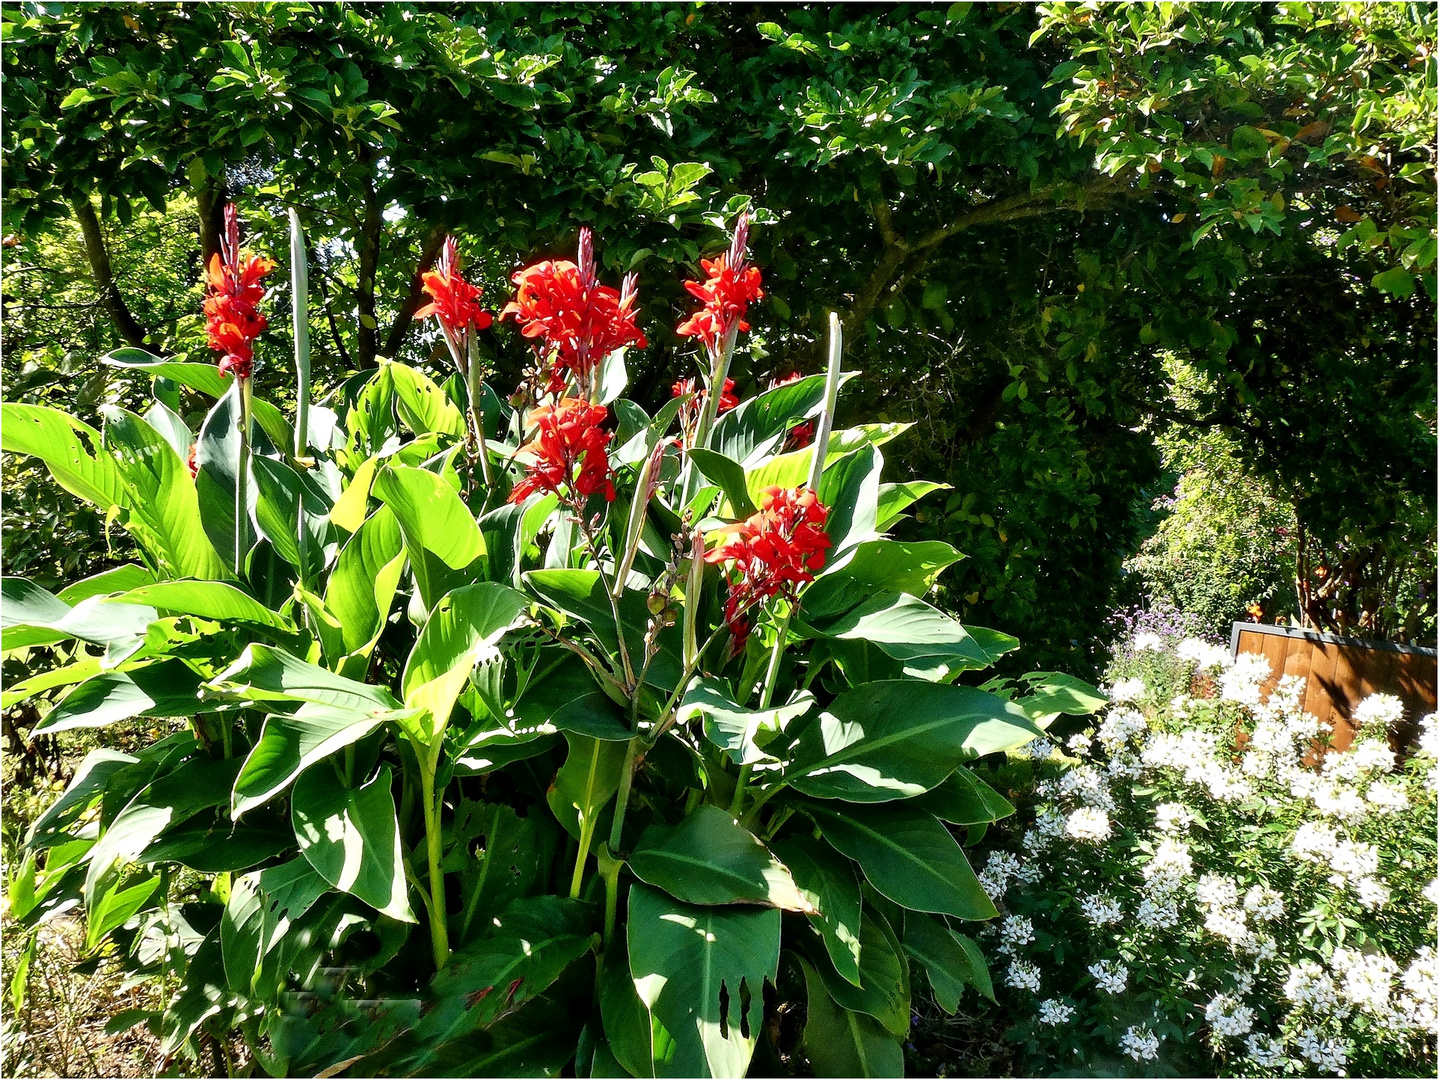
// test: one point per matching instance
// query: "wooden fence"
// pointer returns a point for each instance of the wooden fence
(1340, 672)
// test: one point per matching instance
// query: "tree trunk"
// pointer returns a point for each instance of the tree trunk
(367, 338)
(210, 198)
(429, 252)
(126, 326)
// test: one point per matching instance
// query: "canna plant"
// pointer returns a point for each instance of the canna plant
(516, 739)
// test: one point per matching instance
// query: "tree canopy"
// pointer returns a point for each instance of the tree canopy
(1025, 214)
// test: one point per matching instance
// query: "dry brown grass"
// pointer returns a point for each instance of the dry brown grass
(60, 1027)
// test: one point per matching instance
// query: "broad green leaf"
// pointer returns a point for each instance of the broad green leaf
(117, 580)
(349, 509)
(175, 431)
(580, 594)
(951, 965)
(585, 783)
(119, 628)
(729, 475)
(879, 566)
(741, 733)
(362, 585)
(1053, 693)
(211, 843)
(883, 988)
(116, 905)
(441, 536)
(167, 688)
(827, 881)
(638, 1040)
(850, 488)
(202, 995)
(264, 673)
(753, 429)
(205, 378)
(910, 630)
(907, 855)
(709, 858)
(528, 947)
(894, 499)
(893, 740)
(217, 600)
(353, 839)
(89, 782)
(422, 404)
(174, 798)
(842, 1043)
(685, 958)
(288, 745)
(162, 510)
(255, 928)
(497, 854)
(463, 628)
(48, 680)
(964, 799)
(283, 498)
(72, 451)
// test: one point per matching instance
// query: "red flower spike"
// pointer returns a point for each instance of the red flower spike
(774, 552)
(232, 315)
(731, 287)
(453, 300)
(580, 321)
(569, 451)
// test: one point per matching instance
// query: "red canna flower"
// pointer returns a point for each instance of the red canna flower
(731, 287)
(785, 380)
(579, 320)
(453, 300)
(570, 451)
(774, 552)
(191, 463)
(232, 314)
(799, 435)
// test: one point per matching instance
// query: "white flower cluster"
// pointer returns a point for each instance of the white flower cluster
(1087, 825)
(1242, 678)
(1353, 864)
(1201, 654)
(1379, 711)
(1420, 1003)
(1023, 975)
(1146, 641)
(1127, 690)
(1118, 727)
(1055, 1012)
(1003, 867)
(1265, 1051)
(1228, 1017)
(1309, 986)
(1367, 979)
(1429, 736)
(1110, 975)
(1015, 931)
(1223, 916)
(1140, 1043)
(1101, 909)
(1331, 1054)
(1264, 903)
(1172, 817)
(1168, 869)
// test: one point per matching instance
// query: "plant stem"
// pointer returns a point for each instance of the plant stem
(587, 836)
(439, 934)
(771, 676)
(622, 799)
(477, 414)
(610, 871)
(831, 395)
(242, 481)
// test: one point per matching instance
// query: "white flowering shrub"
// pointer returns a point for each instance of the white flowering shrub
(1201, 886)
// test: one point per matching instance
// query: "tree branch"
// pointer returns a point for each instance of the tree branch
(907, 258)
(429, 252)
(126, 325)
